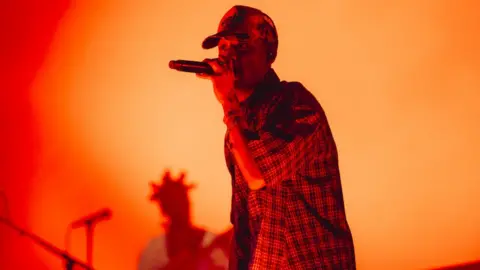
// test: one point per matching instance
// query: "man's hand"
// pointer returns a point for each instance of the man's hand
(223, 84)
(223, 81)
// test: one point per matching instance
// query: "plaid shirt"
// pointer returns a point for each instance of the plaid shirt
(297, 221)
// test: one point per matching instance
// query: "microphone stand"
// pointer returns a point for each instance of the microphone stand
(89, 226)
(69, 260)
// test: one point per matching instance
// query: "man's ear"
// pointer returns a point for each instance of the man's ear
(271, 57)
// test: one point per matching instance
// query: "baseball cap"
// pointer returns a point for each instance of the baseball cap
(246, 23)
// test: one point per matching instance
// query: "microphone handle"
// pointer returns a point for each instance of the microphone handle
(191, 66)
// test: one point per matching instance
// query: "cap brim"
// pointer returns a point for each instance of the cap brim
(212, 41)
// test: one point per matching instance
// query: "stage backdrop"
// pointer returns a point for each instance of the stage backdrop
(92, 114)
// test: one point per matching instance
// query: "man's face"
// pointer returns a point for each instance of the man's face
(250, 62)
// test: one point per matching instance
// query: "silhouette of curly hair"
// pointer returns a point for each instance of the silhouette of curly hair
(170, 187)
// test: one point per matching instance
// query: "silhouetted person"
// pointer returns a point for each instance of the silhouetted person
(184, 246)
(287, 202)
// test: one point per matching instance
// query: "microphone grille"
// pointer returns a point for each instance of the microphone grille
(172, 64)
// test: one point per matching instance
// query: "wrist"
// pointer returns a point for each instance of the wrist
(230, 105)
(235, 120)
(232, 114)
(230, 101)
(231, 121)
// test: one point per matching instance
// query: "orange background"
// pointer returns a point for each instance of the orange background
(92, 114)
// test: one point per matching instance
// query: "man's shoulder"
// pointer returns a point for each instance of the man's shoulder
(156, 242)
(154, 254)
(293, 85)
(296, 92)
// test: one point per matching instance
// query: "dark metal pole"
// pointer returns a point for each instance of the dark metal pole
(69, 260)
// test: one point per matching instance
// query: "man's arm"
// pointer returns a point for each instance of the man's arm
(277, 155)
(245, 160)
(239, 249)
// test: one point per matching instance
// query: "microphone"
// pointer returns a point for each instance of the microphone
(103, 214)
(191, 66)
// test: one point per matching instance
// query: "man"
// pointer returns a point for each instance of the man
(287, 202)
(185, 246)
